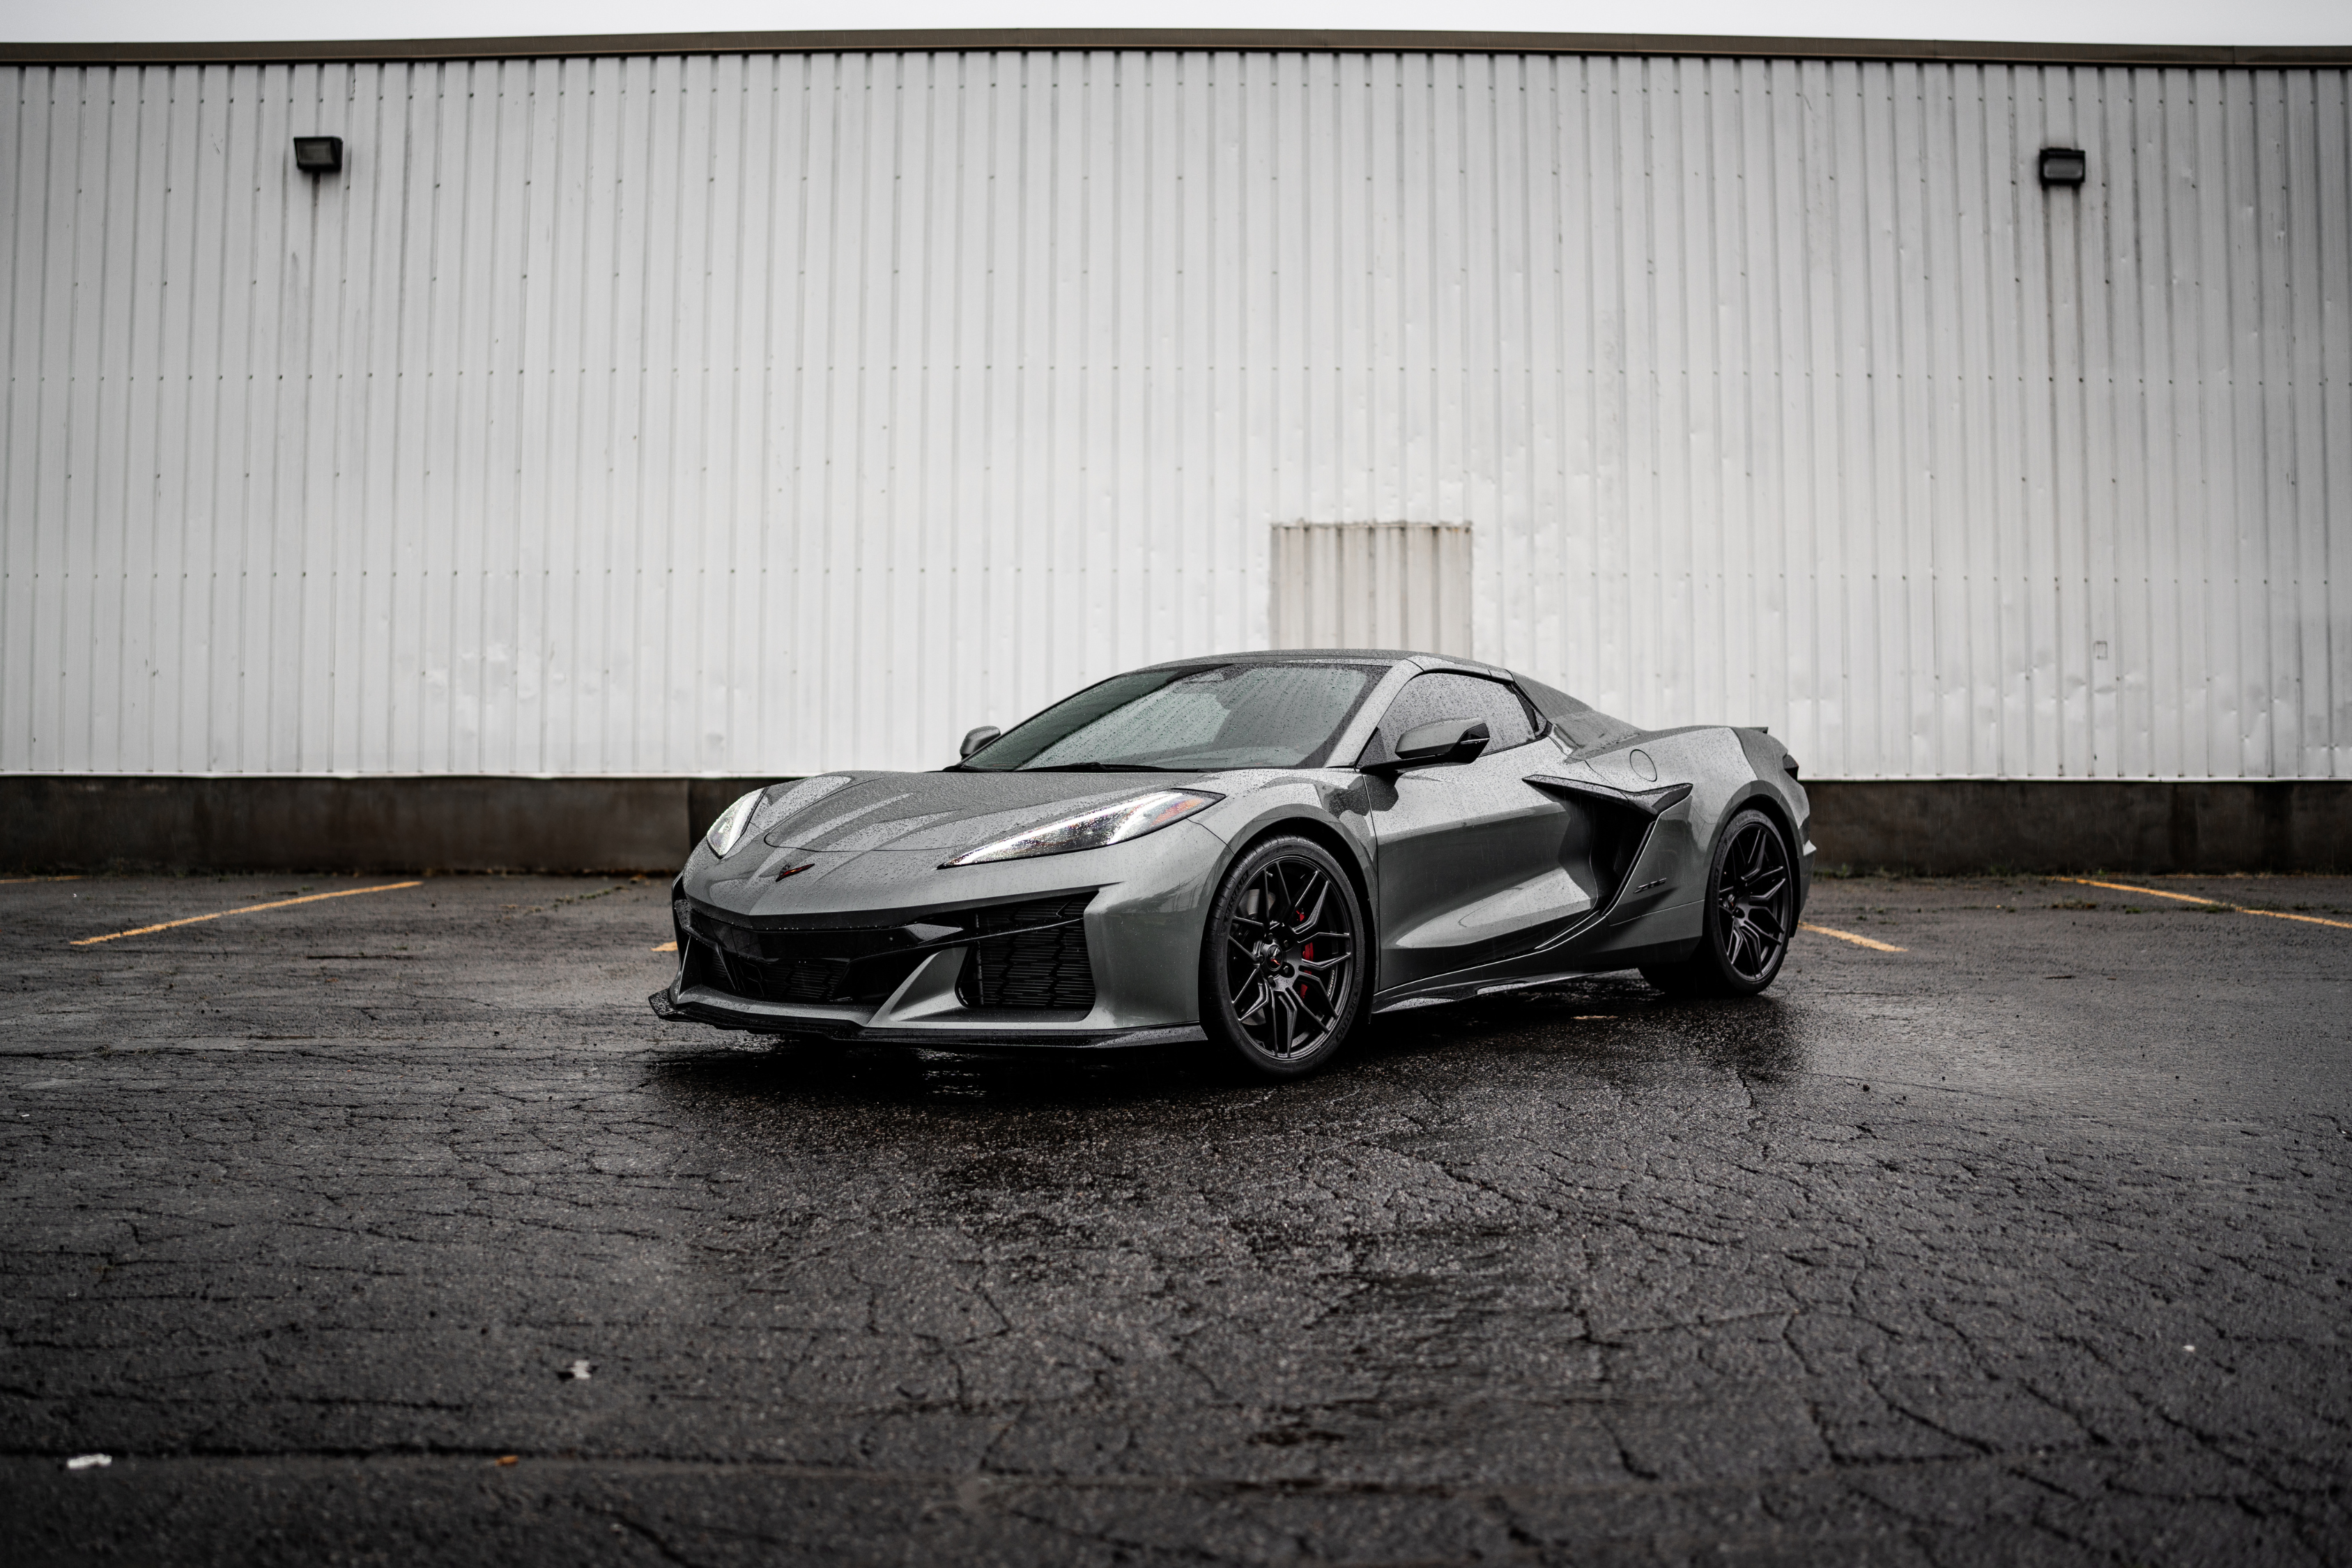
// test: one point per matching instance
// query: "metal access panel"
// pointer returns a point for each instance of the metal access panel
(1371, 585)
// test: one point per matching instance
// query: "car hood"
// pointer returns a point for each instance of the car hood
(937, 814)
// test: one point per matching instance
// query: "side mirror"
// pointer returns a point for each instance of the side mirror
(974, 740)
(1447, 740)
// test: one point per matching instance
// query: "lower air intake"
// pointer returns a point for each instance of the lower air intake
(1029, 955)
(823, 966)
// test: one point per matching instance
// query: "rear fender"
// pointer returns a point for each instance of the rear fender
(1774, 803)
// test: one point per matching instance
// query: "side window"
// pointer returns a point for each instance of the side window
(1441, 694)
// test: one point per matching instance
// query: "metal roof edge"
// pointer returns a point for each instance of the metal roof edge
(1193, 39)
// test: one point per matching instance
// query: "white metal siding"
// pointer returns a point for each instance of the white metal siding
(773, 412)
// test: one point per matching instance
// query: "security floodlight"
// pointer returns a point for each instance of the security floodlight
(2063, 165)
(319, 155)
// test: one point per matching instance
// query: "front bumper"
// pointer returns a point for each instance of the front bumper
(1094, 950)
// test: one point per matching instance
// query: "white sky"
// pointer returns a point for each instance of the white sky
(2067, 21)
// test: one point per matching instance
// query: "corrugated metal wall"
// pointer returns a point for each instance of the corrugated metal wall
(768, 413)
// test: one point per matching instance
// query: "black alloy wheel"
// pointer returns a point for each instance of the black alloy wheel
(1282, 959)
(1751, 912)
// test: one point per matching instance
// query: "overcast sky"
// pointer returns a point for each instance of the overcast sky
(2079, 21)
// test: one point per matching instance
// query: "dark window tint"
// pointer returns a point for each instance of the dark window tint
(1427, 699)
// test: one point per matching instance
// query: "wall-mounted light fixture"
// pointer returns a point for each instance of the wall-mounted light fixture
(319, 155)
(2063, 165)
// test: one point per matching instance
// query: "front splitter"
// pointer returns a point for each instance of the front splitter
(700, 1005)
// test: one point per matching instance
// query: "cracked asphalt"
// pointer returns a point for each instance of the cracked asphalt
(2027, 1244)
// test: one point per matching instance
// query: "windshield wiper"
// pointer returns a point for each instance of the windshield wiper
(1103, 768)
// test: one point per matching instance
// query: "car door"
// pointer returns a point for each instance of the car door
(1475, 864)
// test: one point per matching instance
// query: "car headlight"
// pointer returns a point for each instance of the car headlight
(729, 829)
(1109, 825)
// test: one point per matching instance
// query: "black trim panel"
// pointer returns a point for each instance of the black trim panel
(901, 915)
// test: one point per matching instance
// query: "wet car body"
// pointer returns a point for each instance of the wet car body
(1582, 848)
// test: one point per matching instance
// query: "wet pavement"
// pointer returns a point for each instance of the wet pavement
(2027, 1243)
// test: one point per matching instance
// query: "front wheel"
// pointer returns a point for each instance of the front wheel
(1751, 910)
(1282, 975)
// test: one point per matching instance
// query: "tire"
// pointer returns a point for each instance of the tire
(1284, 959)
(1751, 912)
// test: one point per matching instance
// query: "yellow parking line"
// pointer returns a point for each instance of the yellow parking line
(2283, 915)
(2151, 892)
(4, 881)
(666, 947)
(2195, 898)
(249, 909)
(1858, 940)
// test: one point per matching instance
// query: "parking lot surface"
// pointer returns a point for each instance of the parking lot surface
(393, 1227)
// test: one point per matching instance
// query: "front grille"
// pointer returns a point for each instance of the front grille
(812, 979)
(837, 966)
(1029, 955)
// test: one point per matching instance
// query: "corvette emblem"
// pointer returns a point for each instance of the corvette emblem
(794, 870)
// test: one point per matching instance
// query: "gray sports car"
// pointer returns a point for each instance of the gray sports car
(1254, 851)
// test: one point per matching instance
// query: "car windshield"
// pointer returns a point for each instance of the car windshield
(1214, 716)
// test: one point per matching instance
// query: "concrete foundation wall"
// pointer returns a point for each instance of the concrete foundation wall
(1970, 825)
(478, 824)
(55, 823)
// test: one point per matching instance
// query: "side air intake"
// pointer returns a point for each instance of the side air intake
(1030, 956)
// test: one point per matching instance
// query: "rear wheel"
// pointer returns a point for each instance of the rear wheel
(1283, 983)
(1751, 909)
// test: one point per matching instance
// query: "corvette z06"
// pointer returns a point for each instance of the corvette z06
(1254, 852)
